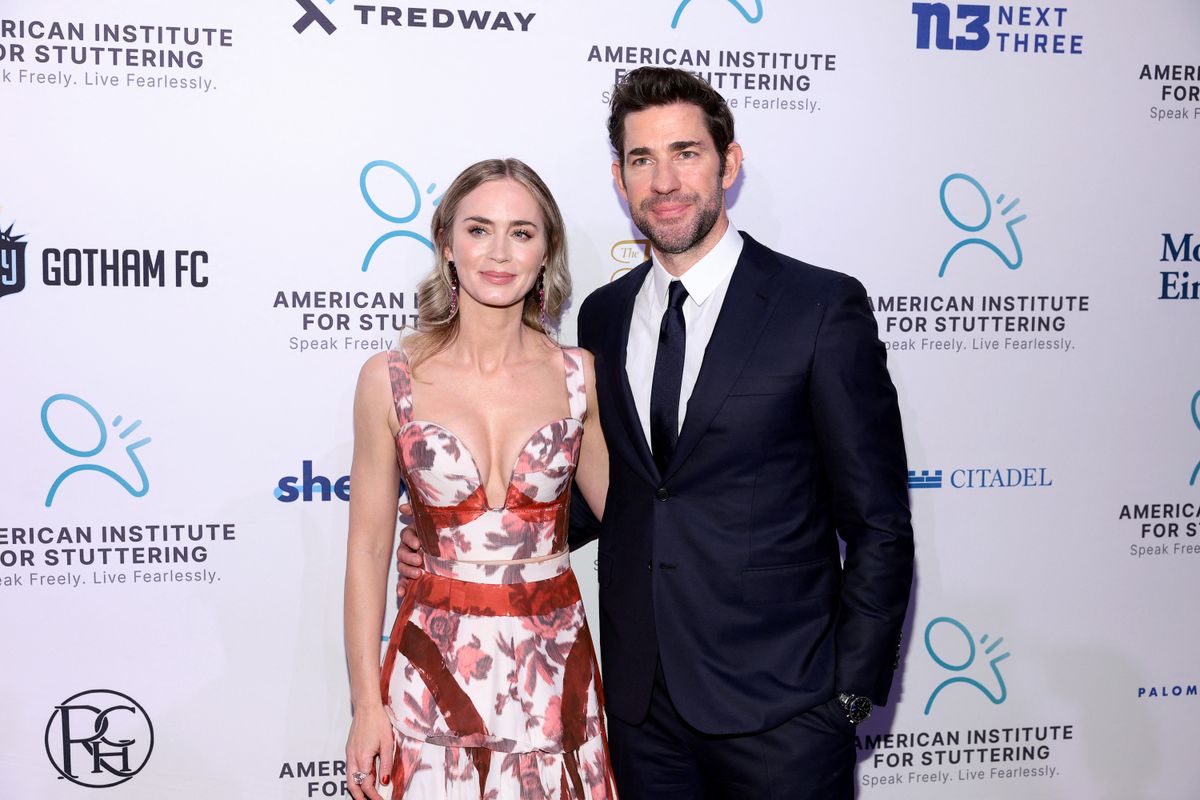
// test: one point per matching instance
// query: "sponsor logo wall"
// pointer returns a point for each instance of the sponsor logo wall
(211, 215)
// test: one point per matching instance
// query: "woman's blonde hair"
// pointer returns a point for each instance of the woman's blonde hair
(436, 324)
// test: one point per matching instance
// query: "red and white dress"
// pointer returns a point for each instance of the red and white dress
(490, 677)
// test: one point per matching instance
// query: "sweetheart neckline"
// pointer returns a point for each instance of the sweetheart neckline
(475, 464)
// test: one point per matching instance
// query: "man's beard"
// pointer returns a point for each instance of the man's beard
(679, 239)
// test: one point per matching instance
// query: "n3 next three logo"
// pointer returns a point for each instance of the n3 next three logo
(934, 22)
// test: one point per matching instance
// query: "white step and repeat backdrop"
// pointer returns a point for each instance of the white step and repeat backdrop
(213, 212)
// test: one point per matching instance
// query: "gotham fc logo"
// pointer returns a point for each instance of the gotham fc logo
(12, 262)
(99, 738)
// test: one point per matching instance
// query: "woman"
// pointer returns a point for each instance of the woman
(489, 687)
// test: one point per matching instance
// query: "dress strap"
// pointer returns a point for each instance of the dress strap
(401, 377)
(576, 382)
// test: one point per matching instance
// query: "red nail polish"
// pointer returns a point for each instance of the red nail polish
(385, 780)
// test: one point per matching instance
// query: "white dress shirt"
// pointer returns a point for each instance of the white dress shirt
(706, 282)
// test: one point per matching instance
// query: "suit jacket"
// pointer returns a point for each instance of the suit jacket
(726, 567)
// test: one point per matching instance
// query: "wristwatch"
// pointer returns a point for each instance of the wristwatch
(857, 707)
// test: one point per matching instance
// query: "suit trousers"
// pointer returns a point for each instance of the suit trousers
(809, 757)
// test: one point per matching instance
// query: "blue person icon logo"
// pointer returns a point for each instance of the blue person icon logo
(409, 194)
(92, 419)
(952, 636)
(1196, 422)
(952, 185)
(752, 18)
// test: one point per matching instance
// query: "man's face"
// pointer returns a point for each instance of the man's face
(672, 176)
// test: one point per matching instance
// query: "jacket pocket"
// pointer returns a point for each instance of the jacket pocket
(768, 384)
(791, 583)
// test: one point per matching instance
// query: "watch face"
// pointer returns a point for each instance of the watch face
(857, 708)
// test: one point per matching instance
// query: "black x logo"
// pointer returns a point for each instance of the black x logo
(312, 14)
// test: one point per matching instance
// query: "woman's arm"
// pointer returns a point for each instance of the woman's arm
(592, 474)
(375, 488)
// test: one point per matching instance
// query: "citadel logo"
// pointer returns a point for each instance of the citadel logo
(12, 262)
(925, 479)
(753, 19)
(982, 478)
(99, 738)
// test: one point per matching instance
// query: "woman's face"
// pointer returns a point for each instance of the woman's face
(497, 244)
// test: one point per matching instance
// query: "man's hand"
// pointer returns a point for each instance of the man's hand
(409, 561)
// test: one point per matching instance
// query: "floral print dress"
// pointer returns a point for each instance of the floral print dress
(490, 677)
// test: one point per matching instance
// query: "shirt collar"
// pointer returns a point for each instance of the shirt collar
(703, 277)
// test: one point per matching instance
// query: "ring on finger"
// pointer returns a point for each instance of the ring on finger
(359, 778)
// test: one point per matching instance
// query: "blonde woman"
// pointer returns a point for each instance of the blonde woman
(489, 686)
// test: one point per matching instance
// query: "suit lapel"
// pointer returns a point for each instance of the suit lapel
(618, 377)
(748, 304)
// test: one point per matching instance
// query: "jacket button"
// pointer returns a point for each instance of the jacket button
(662, 494)
(650, 566)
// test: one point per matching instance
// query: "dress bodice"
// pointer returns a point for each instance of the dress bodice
(452, 516)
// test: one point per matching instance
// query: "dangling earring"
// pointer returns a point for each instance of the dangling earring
(453, 291)
(542, 300)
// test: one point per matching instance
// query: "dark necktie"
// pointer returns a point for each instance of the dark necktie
(668, 378)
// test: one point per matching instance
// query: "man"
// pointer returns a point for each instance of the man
(728, 626)
(750, 422)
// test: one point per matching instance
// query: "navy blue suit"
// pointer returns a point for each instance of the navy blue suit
(725, 569)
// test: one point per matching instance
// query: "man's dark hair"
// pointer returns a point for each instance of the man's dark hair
(647, 87)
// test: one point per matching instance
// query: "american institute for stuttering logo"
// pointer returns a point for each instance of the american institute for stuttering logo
(953, 648)
(982, 247)
(412, 201)
(750, 12)
(1015, 29)
(68, 417)
(12, 262)
(956, 206)
(99, 738)
(1196, 422)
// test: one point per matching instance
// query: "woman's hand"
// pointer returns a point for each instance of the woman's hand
(370, 737)
(410, 564)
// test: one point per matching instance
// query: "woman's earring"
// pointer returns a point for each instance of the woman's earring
(453, 290)
(542, 299)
